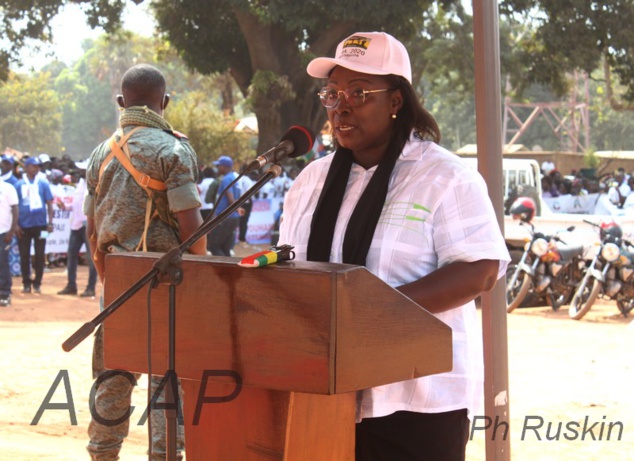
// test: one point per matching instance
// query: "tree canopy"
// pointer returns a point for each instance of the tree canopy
(70, 109)
(576, 35)
(265, 45)
(30, 117)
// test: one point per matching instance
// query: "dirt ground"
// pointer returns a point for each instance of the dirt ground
(562, 373)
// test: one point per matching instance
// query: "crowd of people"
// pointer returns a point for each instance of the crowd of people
(609, 193)
(618, 184)
(42, 184)
(39, 185)
(212, 186)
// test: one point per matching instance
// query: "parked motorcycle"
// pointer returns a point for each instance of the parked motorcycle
(548, 265)
(610, 274)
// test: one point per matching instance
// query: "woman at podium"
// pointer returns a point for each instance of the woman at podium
(391, 199)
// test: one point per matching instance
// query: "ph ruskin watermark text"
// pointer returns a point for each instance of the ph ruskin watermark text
(537, 428)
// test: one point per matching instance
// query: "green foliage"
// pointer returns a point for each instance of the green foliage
(21, 21)
(269, 91)
(280, 37)
(30, 116)
(590, 160)
(265, 46)
(455, 117)
(444, 52)
(88, 90)
(611, 129)
(210, 133)
(84, 100)
(88, 111)
(575, 35)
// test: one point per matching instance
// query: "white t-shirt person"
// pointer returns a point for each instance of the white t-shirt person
(8, 199)
(437, 212)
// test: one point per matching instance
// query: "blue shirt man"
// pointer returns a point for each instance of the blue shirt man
(223, 237)
(225, 168)
(6, 168)
(35, 222)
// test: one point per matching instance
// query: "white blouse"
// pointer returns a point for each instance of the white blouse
(437, 212)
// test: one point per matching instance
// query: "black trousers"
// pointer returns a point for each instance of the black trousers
(244, 221)
(409, 436)
(222, 238)
(32, 234)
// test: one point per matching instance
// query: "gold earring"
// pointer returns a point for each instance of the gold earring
(393, 116)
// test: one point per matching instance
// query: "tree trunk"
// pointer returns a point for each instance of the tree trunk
(271, 48)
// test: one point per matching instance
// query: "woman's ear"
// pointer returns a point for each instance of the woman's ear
(397, 100)
(120, 100)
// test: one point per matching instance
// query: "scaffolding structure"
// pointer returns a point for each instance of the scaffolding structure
(569, 120)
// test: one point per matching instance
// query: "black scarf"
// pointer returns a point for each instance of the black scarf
(364, 218)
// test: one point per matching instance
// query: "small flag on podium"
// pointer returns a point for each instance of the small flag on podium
(270, 256)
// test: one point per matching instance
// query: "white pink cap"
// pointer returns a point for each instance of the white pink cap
(375, 53)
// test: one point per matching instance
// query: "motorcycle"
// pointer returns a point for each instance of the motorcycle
(610, 274)
(548, 266)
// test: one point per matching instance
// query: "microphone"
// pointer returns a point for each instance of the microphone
(297, 141)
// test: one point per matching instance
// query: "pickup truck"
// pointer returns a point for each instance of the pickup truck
(556, 214)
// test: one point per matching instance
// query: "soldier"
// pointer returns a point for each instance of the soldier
(116, 222)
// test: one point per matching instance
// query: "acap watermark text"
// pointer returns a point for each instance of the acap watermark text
(173, 404)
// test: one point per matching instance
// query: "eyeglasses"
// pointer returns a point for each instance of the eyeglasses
(355, 97)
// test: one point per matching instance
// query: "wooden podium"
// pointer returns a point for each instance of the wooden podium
(280, 350)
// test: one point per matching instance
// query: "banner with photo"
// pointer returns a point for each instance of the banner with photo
(262, 220)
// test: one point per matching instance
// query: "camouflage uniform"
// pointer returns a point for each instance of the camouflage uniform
(119, 213)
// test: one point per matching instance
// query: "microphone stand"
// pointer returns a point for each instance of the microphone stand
(168, 269)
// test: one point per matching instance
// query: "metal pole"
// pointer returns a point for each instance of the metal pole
(171, 388)
(489, 136)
